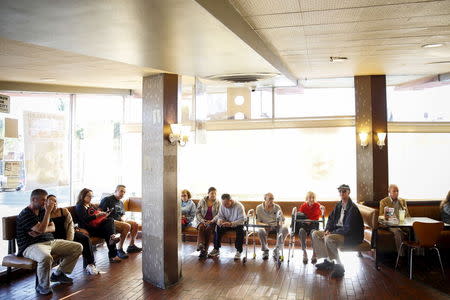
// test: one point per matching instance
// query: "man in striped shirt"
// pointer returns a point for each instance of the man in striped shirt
(36, 242)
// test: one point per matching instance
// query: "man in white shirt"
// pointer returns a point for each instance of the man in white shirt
(266, 213)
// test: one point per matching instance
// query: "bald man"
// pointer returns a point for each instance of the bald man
(266, 213)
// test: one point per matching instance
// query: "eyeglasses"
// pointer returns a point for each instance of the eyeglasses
(270, 198)
(343, 191)
(183, 195)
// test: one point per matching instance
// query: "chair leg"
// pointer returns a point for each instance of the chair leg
(359, 254)
(440, 261)
(8, 274)
(398, 255)
(410, 263)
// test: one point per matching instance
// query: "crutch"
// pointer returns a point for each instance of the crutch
(292, 234)
(280, 258)
(250, 214)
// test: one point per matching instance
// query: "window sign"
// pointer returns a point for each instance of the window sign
(4, 104)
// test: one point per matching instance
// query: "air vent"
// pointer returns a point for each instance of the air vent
(242, 78)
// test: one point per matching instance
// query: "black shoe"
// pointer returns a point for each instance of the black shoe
(203, 254)
(338, 271)
(133, 249)
(43, 291)
(121, 254)
(62, 278)
(326, 265)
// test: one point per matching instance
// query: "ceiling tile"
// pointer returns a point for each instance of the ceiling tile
(263, 7)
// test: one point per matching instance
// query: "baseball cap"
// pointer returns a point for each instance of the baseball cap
(343, 187)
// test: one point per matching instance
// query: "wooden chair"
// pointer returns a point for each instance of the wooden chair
(427, 235)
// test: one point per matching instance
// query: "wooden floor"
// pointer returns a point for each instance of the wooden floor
(226, 279)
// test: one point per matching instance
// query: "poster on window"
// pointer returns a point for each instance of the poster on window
(46, 150)
(12, 168)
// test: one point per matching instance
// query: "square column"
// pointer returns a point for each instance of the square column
(161, 256)
(371, 117)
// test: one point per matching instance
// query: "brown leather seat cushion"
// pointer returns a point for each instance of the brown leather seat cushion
(190, 230)
(18, 262)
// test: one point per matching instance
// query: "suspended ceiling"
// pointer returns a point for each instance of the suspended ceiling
(114, 43)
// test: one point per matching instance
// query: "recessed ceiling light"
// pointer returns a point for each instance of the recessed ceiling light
(48, 79)
(432, 45)
(338, 58)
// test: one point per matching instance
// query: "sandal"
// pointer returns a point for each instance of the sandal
(115, 260)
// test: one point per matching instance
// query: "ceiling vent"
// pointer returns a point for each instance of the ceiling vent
(242, 77)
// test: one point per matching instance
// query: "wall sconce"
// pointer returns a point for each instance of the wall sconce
(381, 138)
(180, 134)
(364, 139)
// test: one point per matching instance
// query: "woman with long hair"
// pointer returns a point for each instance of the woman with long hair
(64, 229)
(97, 222)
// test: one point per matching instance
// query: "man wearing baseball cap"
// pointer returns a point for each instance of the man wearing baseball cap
(345, 227)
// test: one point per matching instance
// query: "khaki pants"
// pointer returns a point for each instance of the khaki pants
(399, 237)
(327, 246)
(263, 233)
(125, 227)
(42, 253)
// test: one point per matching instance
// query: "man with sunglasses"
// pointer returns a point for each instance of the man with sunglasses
(344, 227)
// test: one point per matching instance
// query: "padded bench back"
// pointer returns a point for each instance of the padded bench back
(369, 215)
(9, 227)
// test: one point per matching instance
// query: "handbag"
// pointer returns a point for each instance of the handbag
(92, 211)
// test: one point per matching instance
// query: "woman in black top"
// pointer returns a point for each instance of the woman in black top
(64, 229)
(96, 222)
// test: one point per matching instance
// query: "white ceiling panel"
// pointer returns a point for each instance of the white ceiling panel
(273, 21)
(376, 13)
(310, 5)
(264, 7)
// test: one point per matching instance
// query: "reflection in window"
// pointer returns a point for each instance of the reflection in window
(287, 162)
(425, 105)
(314, 102)
(418, 164)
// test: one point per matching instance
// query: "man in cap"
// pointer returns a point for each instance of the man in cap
(345, 227)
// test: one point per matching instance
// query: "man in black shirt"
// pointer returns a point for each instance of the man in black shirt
(114, 204)
(36, 242)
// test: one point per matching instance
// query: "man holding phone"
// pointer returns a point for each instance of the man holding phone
(114, 206)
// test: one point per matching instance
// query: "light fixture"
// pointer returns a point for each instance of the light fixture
(239, 100)
(381, 138)
(338, 58)
(364, 139)
(180, 134)
(432, 45)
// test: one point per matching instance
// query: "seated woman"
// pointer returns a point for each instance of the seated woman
(64, 230)
(445, 209)
(312, 211)
(207, 211)
(188, 209)
(97, 222)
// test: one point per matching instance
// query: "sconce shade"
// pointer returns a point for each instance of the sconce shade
(363, 137)
(381, 139)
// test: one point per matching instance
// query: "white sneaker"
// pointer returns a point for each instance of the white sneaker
(276, 253)
(237, 256)
(92, 270)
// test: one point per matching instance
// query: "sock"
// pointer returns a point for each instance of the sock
(58, 272)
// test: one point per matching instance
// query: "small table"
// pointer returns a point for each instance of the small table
(407, 223)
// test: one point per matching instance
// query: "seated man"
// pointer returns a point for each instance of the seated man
(266, 213)
(393, 201)
(114, 204)
(231, 216)
(344, 227)
(36, 242)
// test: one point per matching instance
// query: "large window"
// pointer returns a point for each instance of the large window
(287, 162)
(418, 164)
(35, 152)
(419, 105)
(314, 102)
